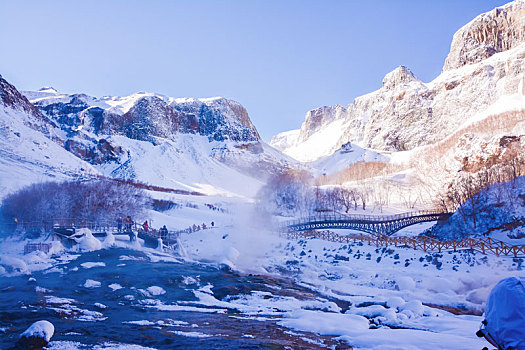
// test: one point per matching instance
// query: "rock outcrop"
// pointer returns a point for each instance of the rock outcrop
(11, 98)
(319, 117)
(496, 31)
(37, 336)
(90, 124)
(144, 116)
(406, 113)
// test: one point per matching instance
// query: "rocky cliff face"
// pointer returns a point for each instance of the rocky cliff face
(208, 145)
(89, 123)
(317, 118)
(218, 118)
(496, 31)
(144, 116)
(406, 113)
(11, 98)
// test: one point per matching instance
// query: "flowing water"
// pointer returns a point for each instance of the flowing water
(103, 315)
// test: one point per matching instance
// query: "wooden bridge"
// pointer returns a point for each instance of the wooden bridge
(484, 245)
(384, 224)
(66, 228)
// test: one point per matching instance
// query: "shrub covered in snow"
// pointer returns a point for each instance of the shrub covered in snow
(102, 200)
(499, 206)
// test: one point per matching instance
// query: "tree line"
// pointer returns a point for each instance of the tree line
(91, 201)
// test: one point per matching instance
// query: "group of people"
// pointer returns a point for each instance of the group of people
(195, 228)
(213, 207)
(126, 224)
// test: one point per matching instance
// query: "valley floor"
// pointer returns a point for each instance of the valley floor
(240, 274)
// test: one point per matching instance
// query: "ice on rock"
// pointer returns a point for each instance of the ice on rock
(405, 283)
(439, 285)
(86, 241)
(115, 286)
(12, 265)
(88, 265)
(92, 284)
(37, 335)
(187, 280)
(109, 241)
(155, 290)
(324, 323)
(395, 302)
(415, 307)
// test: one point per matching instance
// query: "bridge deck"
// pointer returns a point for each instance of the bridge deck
(383, 224)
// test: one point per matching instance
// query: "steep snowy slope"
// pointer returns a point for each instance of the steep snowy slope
(497, 211)
(184, 162)
(203, 145)
(484, 66)
(348, 154)
(27, 155)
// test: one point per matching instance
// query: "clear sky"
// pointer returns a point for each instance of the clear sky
(277, 58)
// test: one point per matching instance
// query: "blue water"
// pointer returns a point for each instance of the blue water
(21, 305)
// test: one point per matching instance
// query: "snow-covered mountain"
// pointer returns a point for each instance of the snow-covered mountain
(30, 145)
(348, 154)
(483, 68)
(204, 145)
(143, 116)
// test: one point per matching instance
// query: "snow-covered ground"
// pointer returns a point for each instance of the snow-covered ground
(387, 298)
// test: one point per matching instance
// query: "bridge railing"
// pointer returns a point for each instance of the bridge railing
(425, 243)
(359, 217)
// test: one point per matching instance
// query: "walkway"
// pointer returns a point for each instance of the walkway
(427, 244)
(381, 224)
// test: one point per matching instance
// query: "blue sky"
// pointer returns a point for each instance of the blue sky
(278, 58)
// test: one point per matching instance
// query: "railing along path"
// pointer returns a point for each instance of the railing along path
(425, 243)
(383, 224)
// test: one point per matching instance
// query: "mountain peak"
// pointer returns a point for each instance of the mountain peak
(48, 89)
(400, 75)
(489, 33)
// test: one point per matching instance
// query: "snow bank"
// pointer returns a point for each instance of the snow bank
(88, 265)
(86, 241)
(40, 330)
(155, 290)
(115, 286)
(92, 284)
(324, 323)
(12, 265)
(405, 283)
(109, 241)
(395, 302)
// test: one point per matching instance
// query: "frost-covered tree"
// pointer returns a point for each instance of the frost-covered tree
(44, 204)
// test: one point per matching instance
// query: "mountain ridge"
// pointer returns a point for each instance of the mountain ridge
(405, 113)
